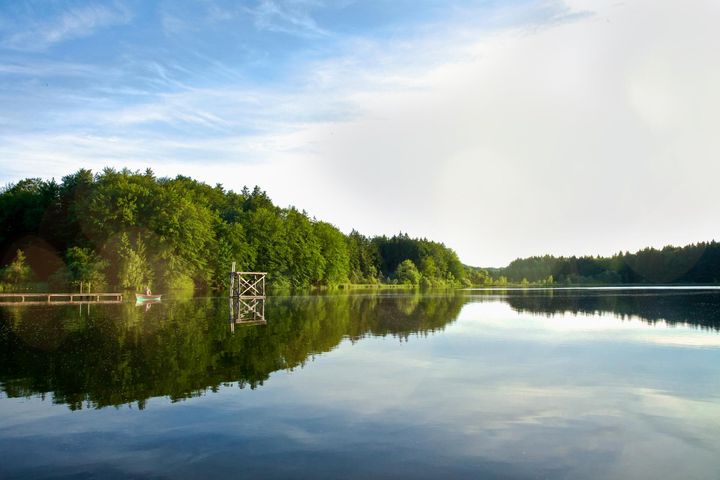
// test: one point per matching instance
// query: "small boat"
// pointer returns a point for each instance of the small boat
(142, 298)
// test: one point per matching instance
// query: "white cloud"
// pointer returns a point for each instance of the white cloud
(73, 23)
(573, 134)
(588, 136)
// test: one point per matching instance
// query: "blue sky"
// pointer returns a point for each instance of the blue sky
(84, 67)
(445, 119)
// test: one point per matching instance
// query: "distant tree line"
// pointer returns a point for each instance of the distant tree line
(131, 230)
(697, 263)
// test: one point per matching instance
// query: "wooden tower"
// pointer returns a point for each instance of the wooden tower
(247, 298)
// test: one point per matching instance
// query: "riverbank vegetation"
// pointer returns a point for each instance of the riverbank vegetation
(698, 263)
(126, 229)
(130, 230)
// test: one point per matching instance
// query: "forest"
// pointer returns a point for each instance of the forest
(132, 230)
(698, 263)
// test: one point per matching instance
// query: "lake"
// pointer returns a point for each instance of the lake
(578, 383)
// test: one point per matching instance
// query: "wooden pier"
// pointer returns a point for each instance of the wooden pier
(58, 298)
(247, 284)
(247, 298)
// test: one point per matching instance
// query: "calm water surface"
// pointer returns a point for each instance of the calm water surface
(516, 384)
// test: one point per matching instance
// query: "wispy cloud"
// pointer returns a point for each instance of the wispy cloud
(173, 24)
(72, 23)
(216, 13)
(171, 110)
(46, 68)
(291, 17)
(179, 18)
(514, 101)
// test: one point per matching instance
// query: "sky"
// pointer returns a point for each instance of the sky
(503, 129)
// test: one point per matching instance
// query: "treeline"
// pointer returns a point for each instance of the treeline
(132, 230)
(697, 263)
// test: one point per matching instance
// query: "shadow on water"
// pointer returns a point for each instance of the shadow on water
(119, 354)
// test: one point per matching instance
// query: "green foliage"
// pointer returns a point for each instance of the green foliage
(364, 259)
(23, 207)
(85, 266)
(304, 263)
(333, 249)
(439, 264)
(18, 271)
(697, 263)
(136, 229)
(479, 277)
(134, 271)
(231, 246)
(428, 267)
(265, 230)
(407, 273)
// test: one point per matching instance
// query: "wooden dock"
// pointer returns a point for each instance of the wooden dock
(247, 284)
(247, 298)
(58, 298)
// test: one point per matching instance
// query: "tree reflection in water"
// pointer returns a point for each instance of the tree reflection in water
(120, 354)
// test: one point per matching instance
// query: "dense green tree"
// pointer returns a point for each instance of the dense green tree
(364, 259)
(63, 222)
(22, 210)
(396, 249)
(84, 266)
(407, 273)
(439, 264)
(231, 246)
(18, 271)
(305, 263)
(697, 263)
(177, 231)
(134, 271)
(183, 226)
(478, 276)
(265, 233)
(333, 249)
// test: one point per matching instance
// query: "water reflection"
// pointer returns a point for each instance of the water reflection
(120, 354)
(457, 385)
(246, 312)
(698, 308)
(114, 355)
